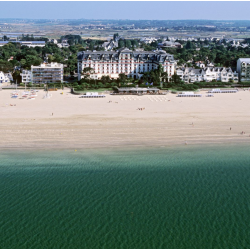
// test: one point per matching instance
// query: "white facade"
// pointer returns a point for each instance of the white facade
(47, 73)
(131, 63)
(30, 44)
(200, 64)
(5, 78)
(243, 69)
(208, 74)
(26, 76)
(148, 40)
(62, 45)
(54, 41)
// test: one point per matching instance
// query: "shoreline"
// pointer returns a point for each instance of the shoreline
(129, 146)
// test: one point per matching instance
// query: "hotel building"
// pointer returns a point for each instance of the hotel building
(131, 63)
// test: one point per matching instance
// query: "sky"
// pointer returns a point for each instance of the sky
(139, 10)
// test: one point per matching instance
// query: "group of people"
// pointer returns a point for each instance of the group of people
(141, 108)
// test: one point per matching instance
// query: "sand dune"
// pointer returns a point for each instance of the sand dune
(117, 121)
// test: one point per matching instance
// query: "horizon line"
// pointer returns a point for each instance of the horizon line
(126, 19)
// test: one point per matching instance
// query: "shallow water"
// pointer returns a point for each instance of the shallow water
(186, 197)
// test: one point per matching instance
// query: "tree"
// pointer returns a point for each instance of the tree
(122, 77)
(5, 38)
(5, 66)
(128, 43)
(87, 72)
(105, 79)
(176, 79)
(134, 43)
(121, 43)
(115, 36)
(91, 46)
(189, 45)
(23, 62)
(16, 76)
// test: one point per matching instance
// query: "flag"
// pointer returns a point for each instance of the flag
(151, 83)
(146, 83)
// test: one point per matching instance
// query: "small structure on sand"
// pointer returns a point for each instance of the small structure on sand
(189, 94)
(136, 91)
(92, 95)
(223, 91)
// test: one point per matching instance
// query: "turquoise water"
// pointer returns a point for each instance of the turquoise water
(186, 197)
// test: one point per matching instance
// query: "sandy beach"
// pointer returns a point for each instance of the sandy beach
(67, 121)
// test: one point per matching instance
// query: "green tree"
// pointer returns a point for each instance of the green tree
(189, 45)
(121, 43)
(122, 78)
(87, 72)
(115, 36)
(17, 77)
(5, 66)
(105, 79)
(128, 43)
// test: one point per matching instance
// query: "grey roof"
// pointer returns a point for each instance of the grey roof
(30, 42)
(158, 56)
(203, 70)
(247, 60)
(34, 42)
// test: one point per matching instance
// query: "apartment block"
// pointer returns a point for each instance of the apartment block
(243, 69)
(26, 76)
(47, 73)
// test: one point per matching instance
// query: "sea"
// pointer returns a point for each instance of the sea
(167, 197)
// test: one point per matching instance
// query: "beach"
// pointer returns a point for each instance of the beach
(67, 121)
(128, 172)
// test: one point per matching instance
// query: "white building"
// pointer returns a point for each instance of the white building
(131, 63)
(200, 64)
(30, 44)
(169, 44)
(62, 45)
(207, 74)
(243, 69)
(148, 40)
(47, 73)
(26, 76)
(110, 45)
(5, 77)
(54, 41)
